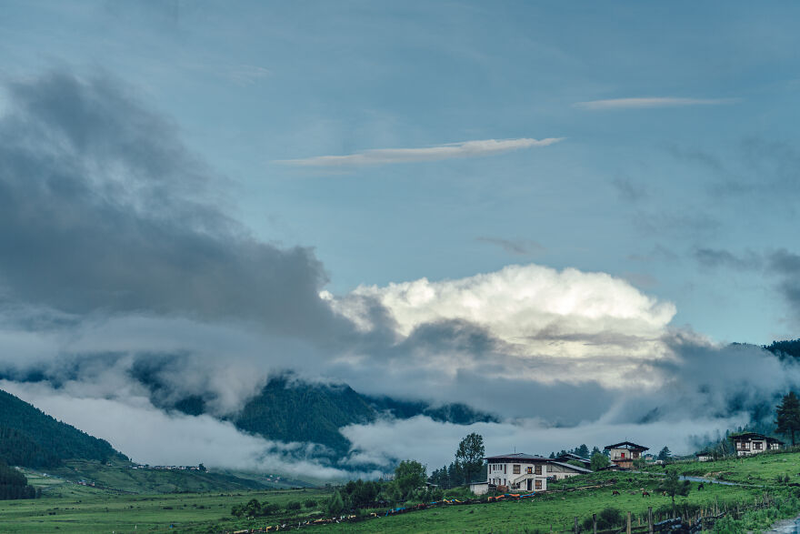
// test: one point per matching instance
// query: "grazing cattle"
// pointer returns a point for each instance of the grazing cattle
(664, 493)
(615, 492)
(645, 493)
(701, 486)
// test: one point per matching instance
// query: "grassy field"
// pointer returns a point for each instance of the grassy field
(121, 478)
(71, 508)
(85, 510)
(759, 469)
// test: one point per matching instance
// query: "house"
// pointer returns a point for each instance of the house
(623, 454)
(560, 470)
(748, 443)
(704, 456)
(517, 472)
(481, 488)
(565, 458)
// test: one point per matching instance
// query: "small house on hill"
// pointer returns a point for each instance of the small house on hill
(703, 456)
(517, 472)
(749, 443)
(624, 453)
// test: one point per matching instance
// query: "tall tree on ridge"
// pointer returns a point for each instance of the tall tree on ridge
(787, 416)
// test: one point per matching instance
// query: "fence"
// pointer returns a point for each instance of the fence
(701, 519)
(651, 523)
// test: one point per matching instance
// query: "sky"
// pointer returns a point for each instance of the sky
(454, 201)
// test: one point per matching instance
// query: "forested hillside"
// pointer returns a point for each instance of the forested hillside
(290, 410)
(785, 349)
(14, 485)
(31, 438)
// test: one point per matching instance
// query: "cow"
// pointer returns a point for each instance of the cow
(615, 492)
(701, 486)
(645, 493)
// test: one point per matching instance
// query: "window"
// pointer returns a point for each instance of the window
(530, 470)
(538, 484)
(505, 469)
(516, 470)
(538, 469)
(622, 456)
(757, 445)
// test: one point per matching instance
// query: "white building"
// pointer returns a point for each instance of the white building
(749, 443)
(518, 472)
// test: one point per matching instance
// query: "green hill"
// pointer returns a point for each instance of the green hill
(31, 438)
(291, 410)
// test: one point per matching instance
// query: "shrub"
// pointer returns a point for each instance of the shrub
(310, 503)
(293, 505)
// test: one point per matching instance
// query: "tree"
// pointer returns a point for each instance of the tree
(582, 451)
(673, 485)
(408, 476)
(599, 461)
(788, 416)
(335, 504)
(470, 455)
(665, 454)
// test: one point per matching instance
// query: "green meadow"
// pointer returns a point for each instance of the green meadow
(71, 508)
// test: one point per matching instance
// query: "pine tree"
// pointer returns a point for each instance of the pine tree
(788, 416)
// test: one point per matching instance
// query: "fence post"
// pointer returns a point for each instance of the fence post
(628, 527)
(594, 523)
(650, 519)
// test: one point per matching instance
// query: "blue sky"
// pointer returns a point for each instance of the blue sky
(638, 161)
(251, 83)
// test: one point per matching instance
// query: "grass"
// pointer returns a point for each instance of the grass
(71, 508)
(555, 509)
(762, 468)
(97, 511)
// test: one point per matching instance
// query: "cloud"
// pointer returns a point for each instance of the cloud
(629, 190)
(522, 319)
(714, 258)
(383, 156)
(103, 210)
(651, 102)
(787, 265)
(517, 247)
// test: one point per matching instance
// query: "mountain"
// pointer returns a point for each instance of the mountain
(289, 409)
(31, 438)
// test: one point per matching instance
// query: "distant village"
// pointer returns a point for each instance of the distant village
(520, 472)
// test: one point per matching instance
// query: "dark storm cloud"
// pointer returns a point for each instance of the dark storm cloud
(102, 209)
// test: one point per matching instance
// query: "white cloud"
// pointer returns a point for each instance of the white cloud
(652, 102)
(554, 325)
(466, 149)
(402, 439)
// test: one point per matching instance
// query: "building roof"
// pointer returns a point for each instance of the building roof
(570, 466)
(627, 445)
(569, 456)
(754, 435)
(519, 457)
